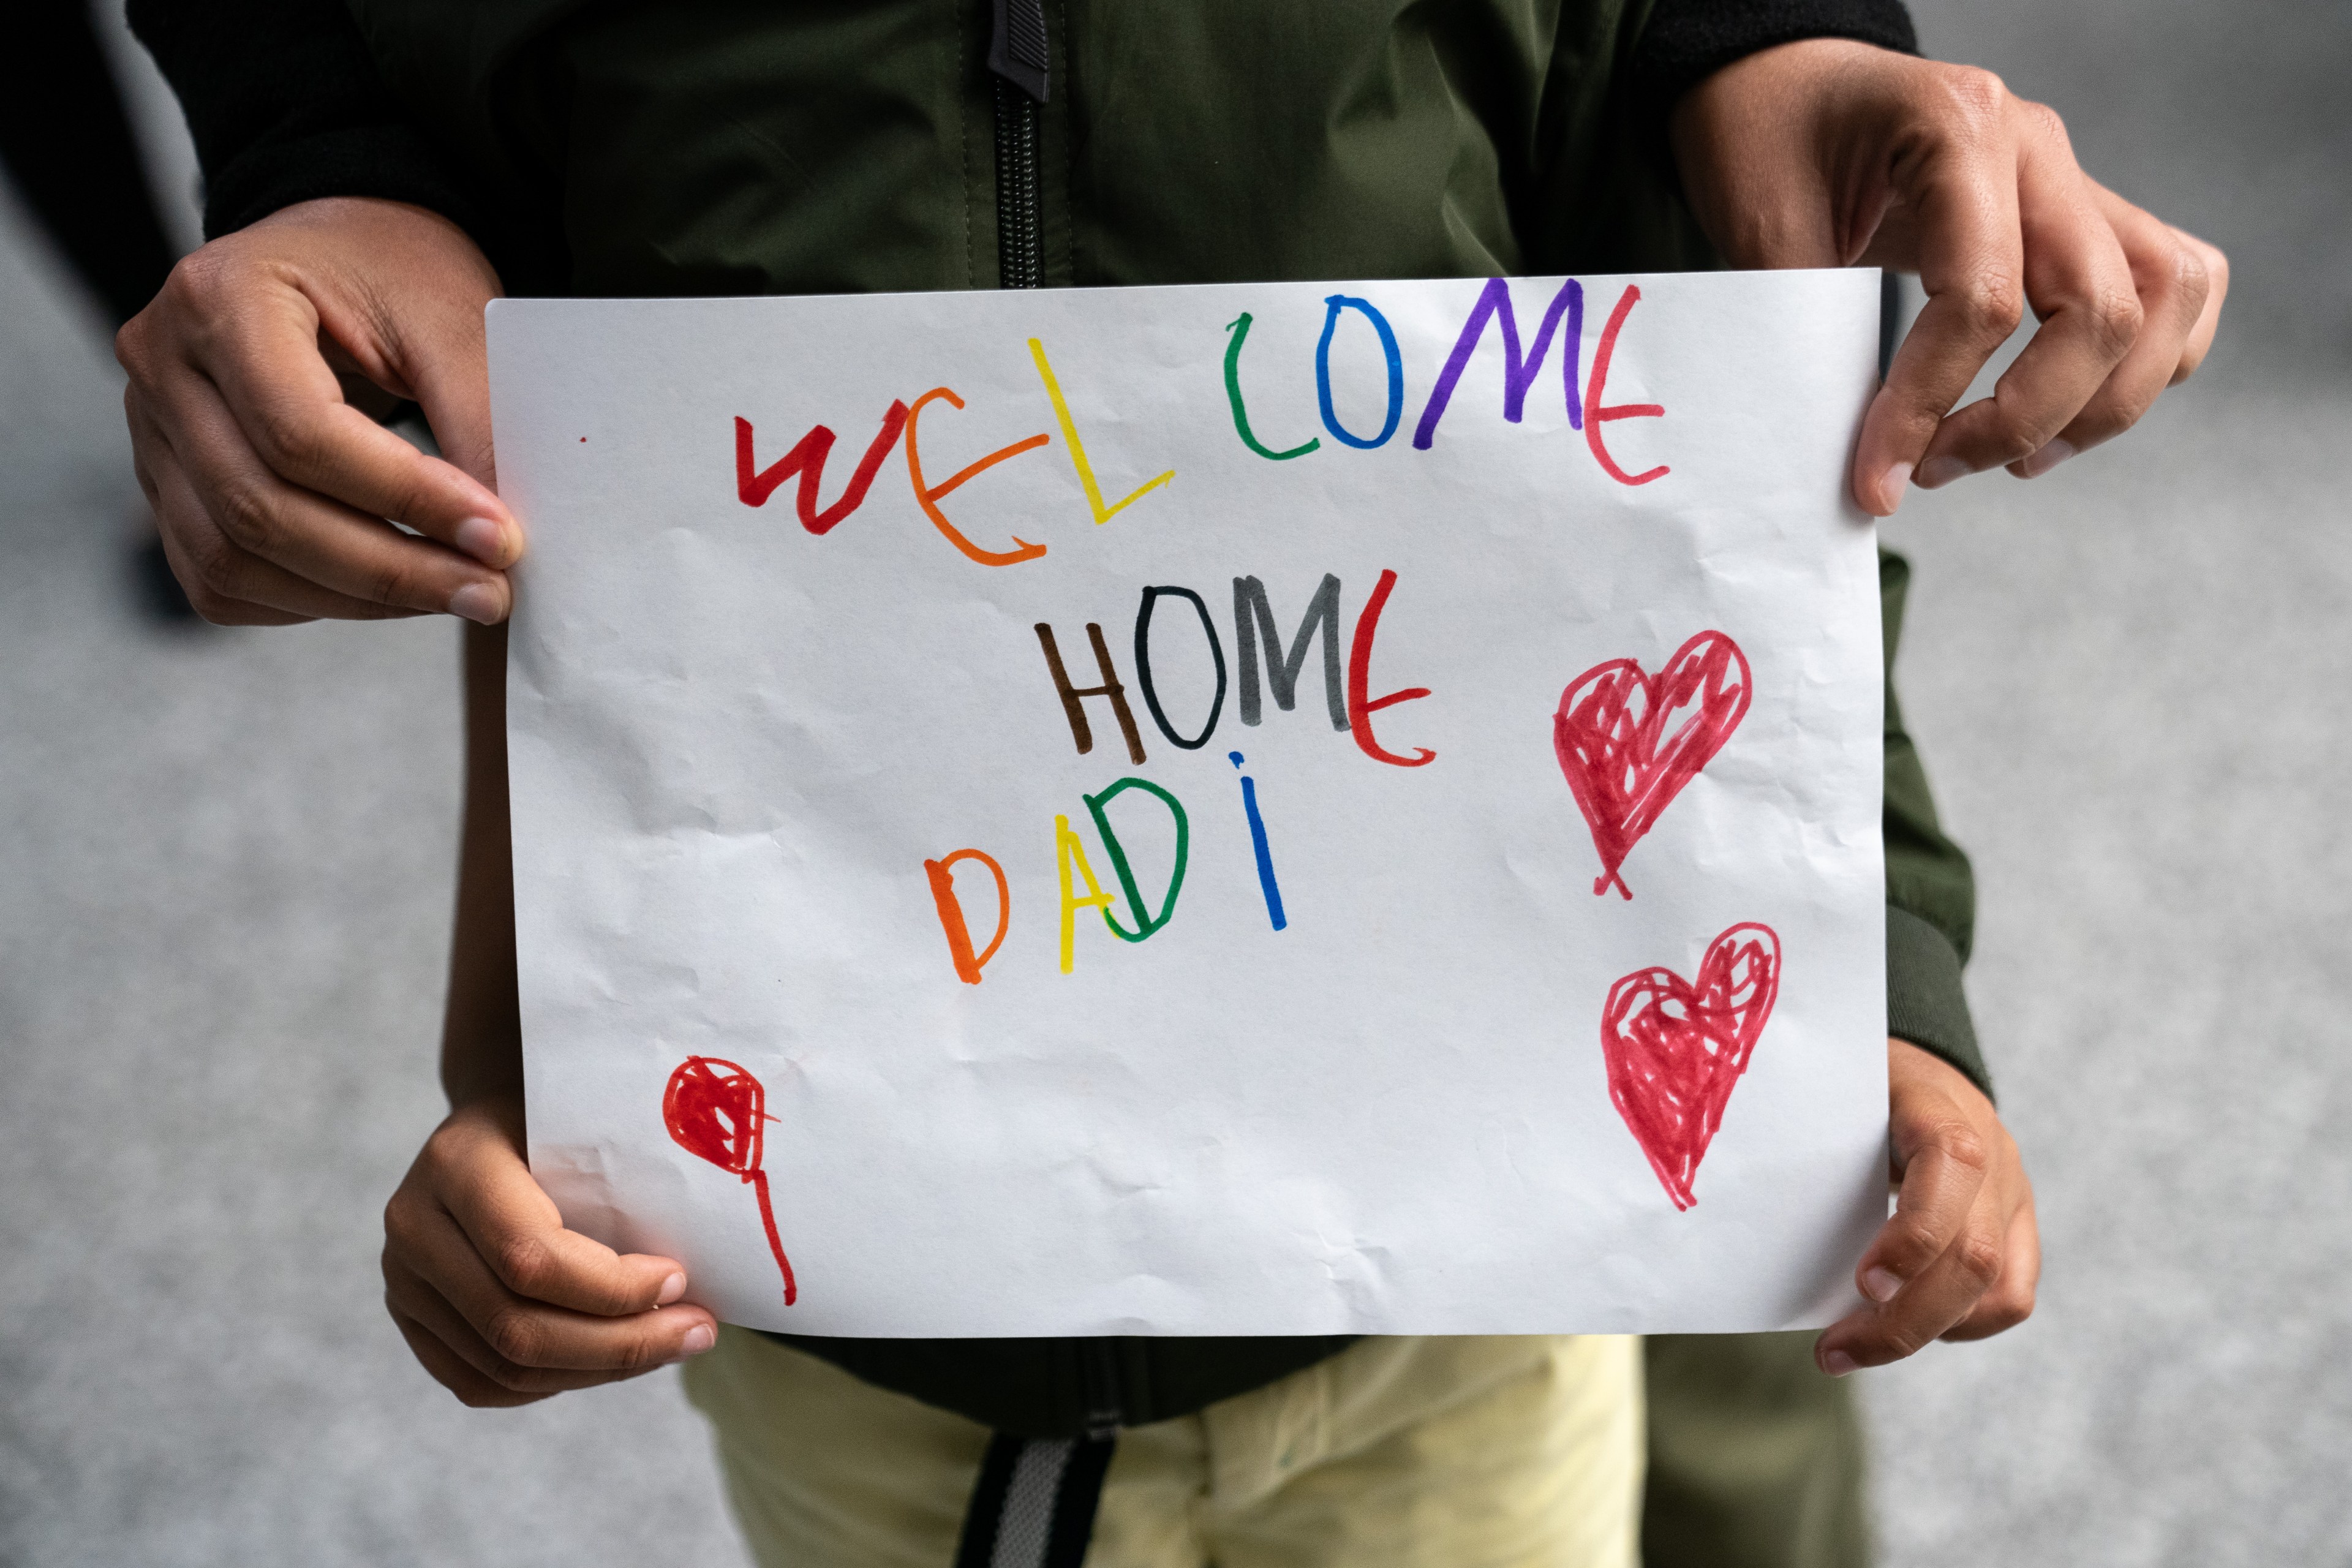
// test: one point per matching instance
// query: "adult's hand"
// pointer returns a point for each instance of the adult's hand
(1962, 1256)
(1828, 152)
(501, 1303)
(271, 490)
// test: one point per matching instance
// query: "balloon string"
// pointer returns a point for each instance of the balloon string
(759, 1180)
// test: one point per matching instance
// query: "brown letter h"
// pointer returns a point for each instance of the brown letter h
(1080, 731)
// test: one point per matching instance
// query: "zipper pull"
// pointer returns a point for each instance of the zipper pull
(1016, 45)
(1105, 1410)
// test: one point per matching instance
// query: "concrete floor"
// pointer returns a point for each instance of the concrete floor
(225, 885)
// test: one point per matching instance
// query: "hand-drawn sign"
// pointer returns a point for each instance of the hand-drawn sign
(1676, 1047)
(1610, 735)
(716, 1110)
(983, 812)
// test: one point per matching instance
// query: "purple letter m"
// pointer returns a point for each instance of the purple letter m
(1518, 373)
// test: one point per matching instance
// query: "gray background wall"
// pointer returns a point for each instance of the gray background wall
(225, 868)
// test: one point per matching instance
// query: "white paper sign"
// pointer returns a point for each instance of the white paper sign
(1272, 809)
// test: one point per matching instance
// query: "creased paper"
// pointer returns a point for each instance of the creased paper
(1272, 809)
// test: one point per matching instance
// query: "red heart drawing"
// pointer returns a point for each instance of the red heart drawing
(1610, 735)
(1676, 1047)
(716, 1110)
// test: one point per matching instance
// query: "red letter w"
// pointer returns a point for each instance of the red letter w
(807, 461)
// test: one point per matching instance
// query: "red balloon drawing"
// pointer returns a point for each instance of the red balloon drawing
(1676, 1047)
(1621, 764)
(717, 1112)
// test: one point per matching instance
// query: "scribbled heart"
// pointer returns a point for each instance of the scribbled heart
(717, 1111)
(1624, 763)
(1676, 1047)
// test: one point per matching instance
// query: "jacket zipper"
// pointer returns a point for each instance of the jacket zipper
(1017, 57)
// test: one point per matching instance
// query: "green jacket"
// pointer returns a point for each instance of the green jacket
(768, 147)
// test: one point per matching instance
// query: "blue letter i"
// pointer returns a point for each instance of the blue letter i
(1257, 839)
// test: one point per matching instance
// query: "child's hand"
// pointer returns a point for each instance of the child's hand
(1962, 1256)
(269, 489)
(1827, 153)
(501, 1303)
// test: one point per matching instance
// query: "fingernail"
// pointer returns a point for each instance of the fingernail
(477, 603)
(1937, 472)
(672, 1289)
(1890, 488)
(483, 540)
(698, 1339)
(1837, 1363)
(2050, 456)
(1880, 1284)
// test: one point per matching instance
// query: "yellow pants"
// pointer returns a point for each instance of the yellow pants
(1396, 1453)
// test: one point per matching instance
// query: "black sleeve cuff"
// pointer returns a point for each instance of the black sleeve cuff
(391, 161)
(1686, 40)
(1924, 1003)
(285, 105)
